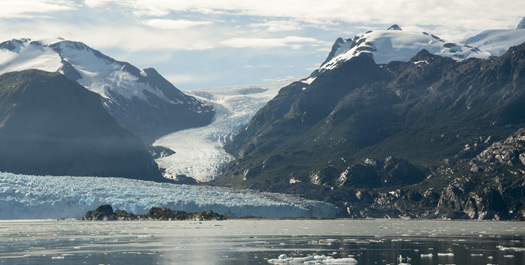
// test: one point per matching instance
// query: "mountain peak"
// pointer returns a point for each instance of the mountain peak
(155, 100)
(394, 27)
(521, 25)
(338, 48)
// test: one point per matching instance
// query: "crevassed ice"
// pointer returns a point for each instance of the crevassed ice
(40, 197)
(199, 151)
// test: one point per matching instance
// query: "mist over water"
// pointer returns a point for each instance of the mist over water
(257, 241)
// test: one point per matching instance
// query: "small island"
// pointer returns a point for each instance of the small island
(106, 213)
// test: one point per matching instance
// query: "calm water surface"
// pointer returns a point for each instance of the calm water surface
(255, 241)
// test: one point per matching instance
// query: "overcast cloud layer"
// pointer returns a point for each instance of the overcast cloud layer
(203, 43)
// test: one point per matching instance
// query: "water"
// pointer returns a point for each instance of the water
(256, 241)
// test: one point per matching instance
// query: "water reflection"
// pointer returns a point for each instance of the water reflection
(255, 242)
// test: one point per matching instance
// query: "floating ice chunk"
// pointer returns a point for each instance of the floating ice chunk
(445, 254)
(502, 248)
(322, 259)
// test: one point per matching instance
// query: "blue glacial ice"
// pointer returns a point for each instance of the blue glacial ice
(42, 197)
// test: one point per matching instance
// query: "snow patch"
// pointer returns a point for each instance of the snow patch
(420, 62)
(308, 81)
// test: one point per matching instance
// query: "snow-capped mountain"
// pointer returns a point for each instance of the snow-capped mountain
(498, 41)
(29, 197)
(394, 44)
(199, 151)
(139, 99)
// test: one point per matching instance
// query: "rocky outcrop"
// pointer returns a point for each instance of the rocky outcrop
(386, 173)
(160, 151)
(106, 213)
(507, 155)
(102, 213)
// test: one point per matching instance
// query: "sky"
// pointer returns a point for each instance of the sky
(212, 43)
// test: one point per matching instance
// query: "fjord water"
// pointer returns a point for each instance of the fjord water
(257, 241)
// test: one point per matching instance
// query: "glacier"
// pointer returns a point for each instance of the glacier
(199, 152)
(43, 197)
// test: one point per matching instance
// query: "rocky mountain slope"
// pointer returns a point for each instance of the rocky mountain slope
(141, 100)
(392, 139)
(50, 125)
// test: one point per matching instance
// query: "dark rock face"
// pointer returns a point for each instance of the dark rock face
(50, 125)
(425, 138)
(160, 151)
(388, 173)
(490, 185)
(105, 213)
(183, 179)
(394, 27)
(102, 213)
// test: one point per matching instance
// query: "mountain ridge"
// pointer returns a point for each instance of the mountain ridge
(140, 100)
(50, 125)
(418, 114)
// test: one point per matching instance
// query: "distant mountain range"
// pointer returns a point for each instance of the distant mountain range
(397, 124)
(141, 100)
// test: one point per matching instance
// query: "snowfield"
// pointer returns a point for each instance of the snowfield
(98, 73)
(397, 45)
(497, 41)
(42, 197)
(199, 152)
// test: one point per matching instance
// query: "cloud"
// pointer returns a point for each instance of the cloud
(182, 78)
(98, 3)
(466, 15)
(278, 25)
(33, 8)
(131, 38)
(290, 41)
(258, 66)
(174, 24)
